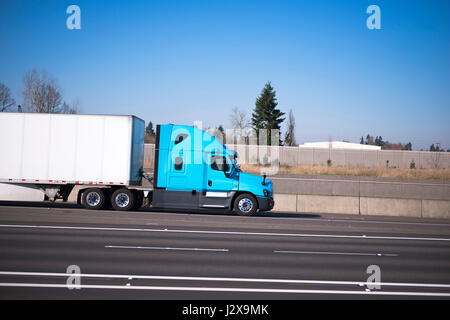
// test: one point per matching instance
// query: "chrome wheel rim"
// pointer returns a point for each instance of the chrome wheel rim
(245, 205)
(122, 200)
(93, 198)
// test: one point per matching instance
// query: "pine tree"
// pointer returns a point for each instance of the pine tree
(266, 115)
(219, 133)
(408, 146)
(370, 140)
(379, 141)
(150, 136)
(149, 129)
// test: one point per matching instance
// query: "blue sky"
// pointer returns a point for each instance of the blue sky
(180, 61)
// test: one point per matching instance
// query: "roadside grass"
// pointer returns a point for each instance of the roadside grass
(379, 172)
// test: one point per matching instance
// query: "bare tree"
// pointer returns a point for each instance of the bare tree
(239, 119)
(76, 106)
(74, 109)
(435, 159)
(240, 123)
(67, 109)
(6, 101)
(42, 93)
(289, 139)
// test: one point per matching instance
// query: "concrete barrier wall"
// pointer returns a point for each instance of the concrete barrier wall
(390, 207)
(350, 195)
(435, 209)
(292, 156)
(362, 187)
(327, 204)
(365, 206)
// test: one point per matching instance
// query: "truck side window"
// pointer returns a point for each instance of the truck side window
(219, 163)
(180, 138)
(178, 163)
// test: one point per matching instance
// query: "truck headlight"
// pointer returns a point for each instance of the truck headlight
(266, 192)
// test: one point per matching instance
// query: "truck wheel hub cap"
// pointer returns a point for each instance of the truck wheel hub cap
(122, 200)
(245, 205)
(93, 198)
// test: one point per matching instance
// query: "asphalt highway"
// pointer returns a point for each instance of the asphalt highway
(149, 254)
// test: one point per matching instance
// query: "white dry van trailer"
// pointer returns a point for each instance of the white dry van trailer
(43, 156)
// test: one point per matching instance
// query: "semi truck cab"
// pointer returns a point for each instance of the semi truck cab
(194, 169)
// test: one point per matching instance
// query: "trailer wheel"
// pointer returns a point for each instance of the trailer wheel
(245, 205)
(94, 199)
(123, 199)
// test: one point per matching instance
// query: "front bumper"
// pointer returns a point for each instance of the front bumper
(265, 204)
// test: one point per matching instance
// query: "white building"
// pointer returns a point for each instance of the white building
(339, 145)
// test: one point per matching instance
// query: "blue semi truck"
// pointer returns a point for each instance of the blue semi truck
(192, 168)
(195, 170)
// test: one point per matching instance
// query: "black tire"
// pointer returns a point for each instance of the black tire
(94, 199)
(123, 199)
(108, 193)
(245, 205)
(139, 197)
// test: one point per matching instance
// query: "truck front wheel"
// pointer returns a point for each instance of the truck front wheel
(123, 199)
(94, 199)
(245, 205)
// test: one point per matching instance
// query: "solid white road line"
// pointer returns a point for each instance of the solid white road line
(221, 279)
(272, 234)
(331, 218)
(219, 289)
(363, 220)
(340, 253)
(166, 248)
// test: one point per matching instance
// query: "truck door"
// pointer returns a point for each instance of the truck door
(219, 182)
(177, 173)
